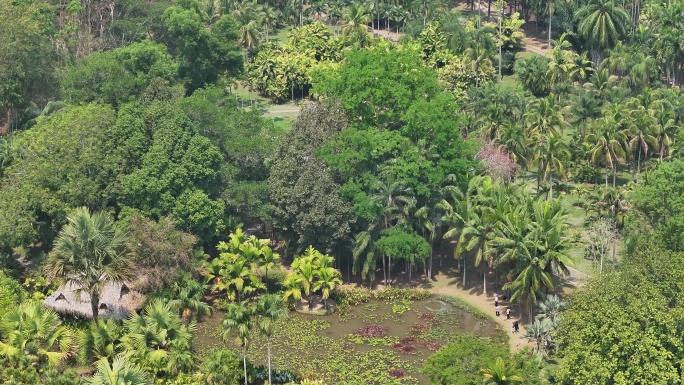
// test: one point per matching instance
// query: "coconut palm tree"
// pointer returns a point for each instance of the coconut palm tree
(89, 252)
(269, 309)
(544, 118)
(602, 24)
(500, 372)
(640, 128)
(101, 341)
(513, 139)
(119, 372)
(34, 332)
(550, 156)
(355, 27)
(239, 320)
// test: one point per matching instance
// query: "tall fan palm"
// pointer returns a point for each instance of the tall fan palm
(120, 372)
(239, 320)
(538, 332)
(602, 24)
(89, 252)
(500, 372)
(34, 332)
(269, 309)
(551, 308)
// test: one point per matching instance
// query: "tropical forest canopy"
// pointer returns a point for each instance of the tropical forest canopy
(526, 141)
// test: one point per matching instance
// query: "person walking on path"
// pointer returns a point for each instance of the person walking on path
(516, 327)
(496, 300)
(508, 313)
(497, 310)
(512, 328)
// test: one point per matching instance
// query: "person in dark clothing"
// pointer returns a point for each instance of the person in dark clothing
(516, 327)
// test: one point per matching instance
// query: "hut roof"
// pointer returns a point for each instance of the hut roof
(117, 300)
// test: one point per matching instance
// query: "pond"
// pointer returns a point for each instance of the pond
(378, 342)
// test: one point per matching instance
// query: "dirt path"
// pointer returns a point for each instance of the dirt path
(446, 283)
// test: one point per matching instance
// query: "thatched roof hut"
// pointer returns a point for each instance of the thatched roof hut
(117, 300)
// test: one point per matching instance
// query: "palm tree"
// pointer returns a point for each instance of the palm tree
(120, 372)
(501, 373)
(512, 139)
(602, 24)
(269, 309)
(355, 27)
(158, 341)
(458, 213)
(584, 108)
(608, 145)
(32, 331)
(238, 320)
(640, 127)
(544, 118)
(187, 299)
(89, 252)
(550, 156)
(551, 308)
(665, 129)
(327, 279)
(101, 341)
(538, 332)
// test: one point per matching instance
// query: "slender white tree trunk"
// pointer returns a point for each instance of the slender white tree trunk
(244, 362)
(269, 361)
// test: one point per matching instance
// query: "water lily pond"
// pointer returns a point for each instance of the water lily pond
(378, 342)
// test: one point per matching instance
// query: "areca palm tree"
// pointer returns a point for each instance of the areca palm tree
(269, 309)
(119, 372)
(327, 279)
(608, 145)
(513, 139)
(89, 252)
(34, 332)
(239, 320)
(501, 373)
(188, 299)
(602, 24)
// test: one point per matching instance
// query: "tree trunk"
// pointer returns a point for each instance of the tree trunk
(614, 173)
(384, 269)
(269, 360)
(464, 271)
(95, 302)
(244, 360)
(484, 275)
(311, 301)
(389, 270)
(639, 164)
(550, 15)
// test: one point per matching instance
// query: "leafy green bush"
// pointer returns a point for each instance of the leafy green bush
(11, 292)
(277, 375)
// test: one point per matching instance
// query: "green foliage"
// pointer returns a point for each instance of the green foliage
(48, 181)
(204, 53)
(11, 293)
(531, 73)
(401, 244)
(659, 199)
(623, 327)
(26, 68)
(461, 361)
(377, 85)
(221, 367)
(307, 207)
(121, 75)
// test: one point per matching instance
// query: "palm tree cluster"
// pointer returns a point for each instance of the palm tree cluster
(510, 231)
(540, 332)
(311, 272)
(241, 267)
(243, 319)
